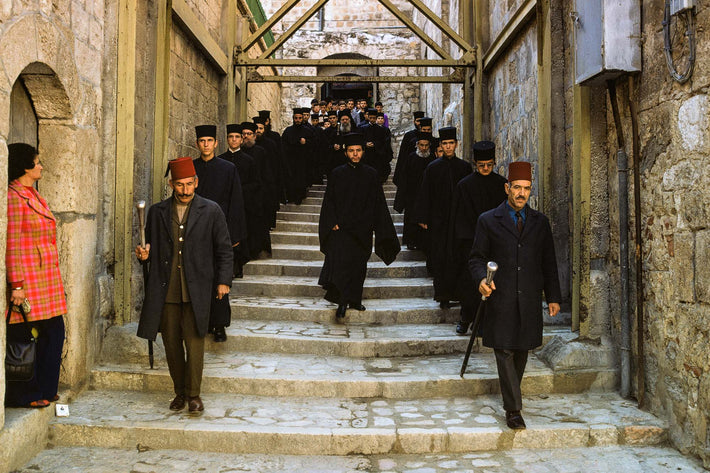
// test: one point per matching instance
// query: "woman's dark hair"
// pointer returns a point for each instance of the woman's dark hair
(21, 157)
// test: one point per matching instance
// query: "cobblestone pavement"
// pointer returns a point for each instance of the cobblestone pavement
(574, 460)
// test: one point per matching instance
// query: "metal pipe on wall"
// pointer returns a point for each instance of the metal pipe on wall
(622, 169)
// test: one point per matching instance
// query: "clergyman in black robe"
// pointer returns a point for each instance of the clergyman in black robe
(218, 180)
(298, 143)
(476, 193)
(261, 239)
(410, 181)
(406, 147)
(353, 208)
(433, 211)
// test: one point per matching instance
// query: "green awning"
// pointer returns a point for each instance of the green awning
(260, 17)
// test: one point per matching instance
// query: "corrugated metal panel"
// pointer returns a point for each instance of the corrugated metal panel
(260, 17)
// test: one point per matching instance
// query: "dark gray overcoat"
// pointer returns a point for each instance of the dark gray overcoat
(207, 256)
(526, 267)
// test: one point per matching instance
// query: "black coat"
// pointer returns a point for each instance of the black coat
(433, 207)
(354, 201)
(474, 195)
(527, 266)
(207, 256)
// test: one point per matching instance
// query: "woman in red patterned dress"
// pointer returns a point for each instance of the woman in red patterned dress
(33, 274)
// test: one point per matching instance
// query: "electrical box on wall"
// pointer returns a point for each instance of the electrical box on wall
(607, 39)
(679, 6)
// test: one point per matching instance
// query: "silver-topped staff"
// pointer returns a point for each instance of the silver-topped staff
(140, 207)
(491, 269)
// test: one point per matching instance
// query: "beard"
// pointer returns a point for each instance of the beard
(345, 128)
(423, 154)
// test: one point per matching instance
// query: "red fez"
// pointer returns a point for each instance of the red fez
(519, 171)
(181, 168)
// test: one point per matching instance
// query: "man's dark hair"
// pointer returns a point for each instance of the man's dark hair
(20, 159)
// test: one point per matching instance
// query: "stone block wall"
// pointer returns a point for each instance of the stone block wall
(340, 15)
(57, 50)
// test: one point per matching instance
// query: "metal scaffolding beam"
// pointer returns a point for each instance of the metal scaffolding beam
(458, 77)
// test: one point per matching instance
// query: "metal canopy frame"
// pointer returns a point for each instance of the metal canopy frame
(248, 66)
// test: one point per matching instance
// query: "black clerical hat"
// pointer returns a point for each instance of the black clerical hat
(447, 133)
(422, 135)
(206, 130)
(352, 139)
(484, 151)
(419, 114)
(259, 119)
(265, 113)
(249, 126)
(234, 128)
(425, 121)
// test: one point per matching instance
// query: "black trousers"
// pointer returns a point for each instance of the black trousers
(511, 366)
(50, 342)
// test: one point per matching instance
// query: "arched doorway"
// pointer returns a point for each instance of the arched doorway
(346, 90)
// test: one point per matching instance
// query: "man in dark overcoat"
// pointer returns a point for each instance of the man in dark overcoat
(519, 239)
(189, 258)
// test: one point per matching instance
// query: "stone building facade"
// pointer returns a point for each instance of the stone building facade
(60, 89)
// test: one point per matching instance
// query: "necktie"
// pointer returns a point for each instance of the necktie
(519, 222)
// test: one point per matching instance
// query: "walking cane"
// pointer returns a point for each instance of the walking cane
(491, 269)
(140, 206)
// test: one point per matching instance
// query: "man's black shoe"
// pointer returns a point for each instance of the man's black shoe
(514, 420)
(340, 313)
(220, 335)
(359, 307)
(445, 304)
(462, 327)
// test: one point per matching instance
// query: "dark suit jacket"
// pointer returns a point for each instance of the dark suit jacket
(526, 267)
(207, 256)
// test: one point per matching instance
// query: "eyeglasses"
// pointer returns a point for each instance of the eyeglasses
(485, 165)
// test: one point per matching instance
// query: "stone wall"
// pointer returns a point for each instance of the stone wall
(56, 50)
(675, 183)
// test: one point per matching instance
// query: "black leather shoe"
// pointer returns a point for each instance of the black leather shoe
(220, 335)
(340, 312)
(359, 307)
(445, 304)
(195, 404)
(462, 327)
(514, 420)
(178, 403)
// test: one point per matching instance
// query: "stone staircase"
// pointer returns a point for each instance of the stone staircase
(380, 392)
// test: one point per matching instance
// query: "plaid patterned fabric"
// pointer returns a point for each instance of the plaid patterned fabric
(31, 257)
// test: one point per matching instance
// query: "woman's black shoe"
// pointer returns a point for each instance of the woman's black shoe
(340, 313)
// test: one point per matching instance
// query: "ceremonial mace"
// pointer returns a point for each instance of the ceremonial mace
(491, 269)
(140, 207)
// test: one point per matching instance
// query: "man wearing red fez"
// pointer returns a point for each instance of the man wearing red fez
(519, 239)
(189, 256)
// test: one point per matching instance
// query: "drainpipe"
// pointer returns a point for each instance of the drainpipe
(622, 169)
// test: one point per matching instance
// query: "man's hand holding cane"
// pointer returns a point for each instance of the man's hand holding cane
(487, 289)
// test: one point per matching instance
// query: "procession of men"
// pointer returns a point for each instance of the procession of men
(459, 215)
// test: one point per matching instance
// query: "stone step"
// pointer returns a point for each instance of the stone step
(306, 207)
(288, 286)
(390, 191)
(233, 423)
(298, 238)
(375, 269)
(314, 216)
(312, 253)
(352, 340)
(318, 376)
(621, 458)
(317, 309)
(312, 227)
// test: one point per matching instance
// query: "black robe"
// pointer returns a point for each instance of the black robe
(269, 196)
(407, 146)
(411, 175)
(273, 155)
(527, 266)
(379, 156)
(219, 182)
(474, 195)
(298, 157)
(354, 201)
(253, 208)
(284, 175)
(433, 208)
